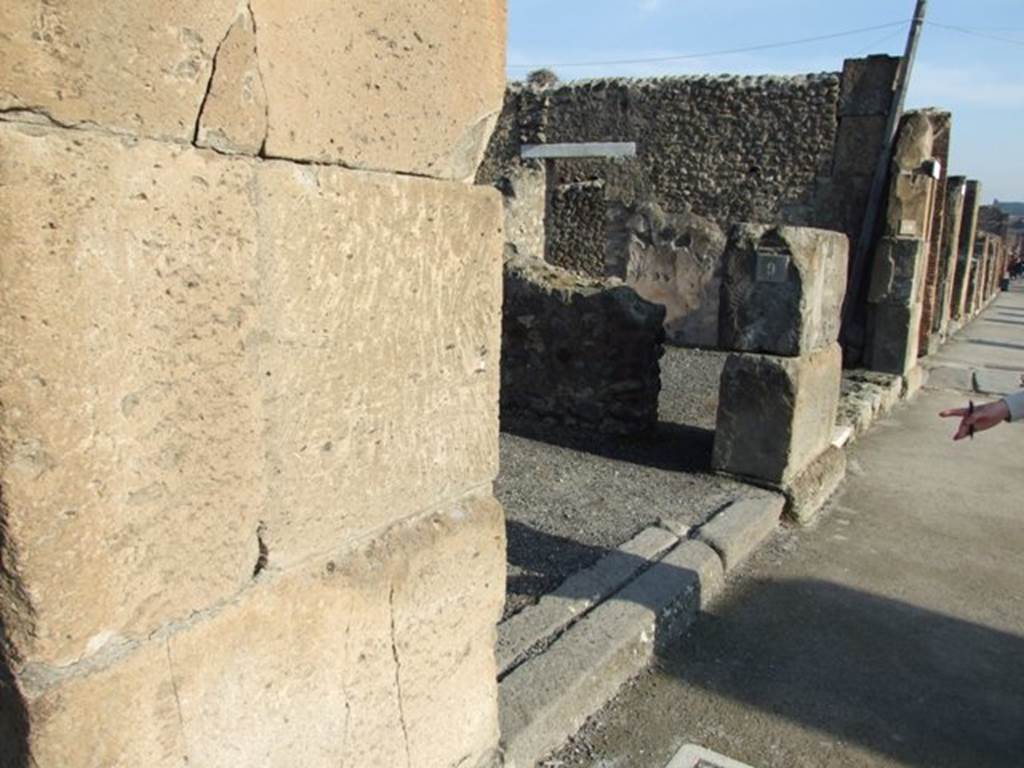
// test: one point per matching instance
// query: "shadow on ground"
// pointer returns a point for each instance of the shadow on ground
(923, 688)
(670, 446)
(914, 687)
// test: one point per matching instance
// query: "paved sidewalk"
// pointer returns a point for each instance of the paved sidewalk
(891, 634)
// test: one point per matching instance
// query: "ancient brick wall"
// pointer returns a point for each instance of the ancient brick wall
(250, 394)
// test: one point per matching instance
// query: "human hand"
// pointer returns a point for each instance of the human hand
(979, 418)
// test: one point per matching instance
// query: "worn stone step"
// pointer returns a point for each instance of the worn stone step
(521, 633)
(547, 698)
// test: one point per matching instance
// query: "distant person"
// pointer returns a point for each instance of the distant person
(979, 418)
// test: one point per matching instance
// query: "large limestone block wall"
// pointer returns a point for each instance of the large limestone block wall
(250, 395)
(413, 87)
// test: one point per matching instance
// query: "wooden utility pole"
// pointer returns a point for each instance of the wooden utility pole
(859, 263)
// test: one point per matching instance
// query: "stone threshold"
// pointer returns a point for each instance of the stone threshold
(564, 658)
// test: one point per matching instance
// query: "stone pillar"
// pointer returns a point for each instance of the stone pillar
(250, 392)
(955, 191)
(895, 306)
(965, 260)
(928, 339)
(897, 288)
(782, 294)
(977, 280)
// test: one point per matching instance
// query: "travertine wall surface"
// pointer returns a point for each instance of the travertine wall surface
(250, 394)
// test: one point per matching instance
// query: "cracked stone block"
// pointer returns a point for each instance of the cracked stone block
(407, 85)
(782, 289)
(233, 117)
(410, 87)
(215, 363)
(776, 414)
(378, 656)
(136, 68)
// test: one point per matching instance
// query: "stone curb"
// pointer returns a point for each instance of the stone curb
(740, 528)
(547, 698)
(521, 633)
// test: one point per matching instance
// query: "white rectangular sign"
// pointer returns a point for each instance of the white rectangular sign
(586, 149)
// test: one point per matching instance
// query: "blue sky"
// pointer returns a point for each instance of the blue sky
(978, 78)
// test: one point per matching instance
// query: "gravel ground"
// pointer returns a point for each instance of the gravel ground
(569, 499)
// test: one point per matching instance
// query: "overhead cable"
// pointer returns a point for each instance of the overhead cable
(708, 54)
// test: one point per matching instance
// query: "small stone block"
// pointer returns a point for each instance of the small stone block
(808, 492)
(775, 414)
(898, 270)
(893, 338)
(782, 289)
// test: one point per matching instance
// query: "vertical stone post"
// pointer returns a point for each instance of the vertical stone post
(897, 288)
(782, 294)
(978, 270)
(931, 308)
(956, 187)
(249, 330)
(965, 262)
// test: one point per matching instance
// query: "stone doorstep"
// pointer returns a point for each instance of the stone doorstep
(523, 632)
(549, 697)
